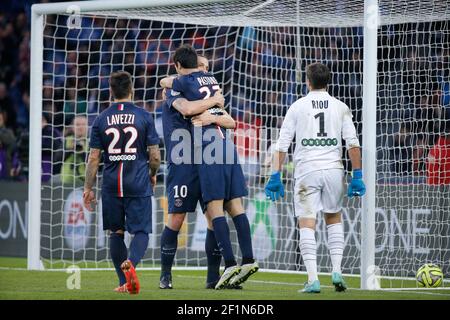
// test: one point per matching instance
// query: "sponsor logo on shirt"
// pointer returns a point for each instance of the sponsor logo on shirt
(322, 142)
(122, 157)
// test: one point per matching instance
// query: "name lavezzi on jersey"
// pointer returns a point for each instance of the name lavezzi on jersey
(318, 122)
(123, 132)
(116, 119)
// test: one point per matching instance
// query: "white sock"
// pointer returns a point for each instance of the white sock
(336, 245)
(308, 250)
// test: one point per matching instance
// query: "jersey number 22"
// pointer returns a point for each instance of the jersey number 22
(116, 136)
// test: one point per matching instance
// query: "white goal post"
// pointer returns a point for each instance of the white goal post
(259, 50)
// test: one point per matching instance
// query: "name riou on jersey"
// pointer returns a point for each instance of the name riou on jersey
(322, 142)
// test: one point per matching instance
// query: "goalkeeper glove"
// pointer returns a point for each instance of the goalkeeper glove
(356, 186)
(274, 187)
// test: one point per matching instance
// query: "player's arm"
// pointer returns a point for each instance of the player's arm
(274, 187)
(90, 176)
(355, 158)
(191, 108)
(154, 156)
(206, 118)
(356, 186)
(167, 82)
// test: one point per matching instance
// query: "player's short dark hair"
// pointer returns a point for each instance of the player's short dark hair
(186, 56)
(318, 75)
(121, 84)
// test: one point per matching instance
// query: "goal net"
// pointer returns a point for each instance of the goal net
(258, 50)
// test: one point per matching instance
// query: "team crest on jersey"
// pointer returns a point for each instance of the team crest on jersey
(178, 203)
(175, 93)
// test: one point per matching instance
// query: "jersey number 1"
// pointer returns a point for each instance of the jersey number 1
(321, 116)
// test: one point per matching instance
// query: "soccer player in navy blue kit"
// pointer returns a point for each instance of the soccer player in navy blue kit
(182, 185)
(127, 136)
(221, 180)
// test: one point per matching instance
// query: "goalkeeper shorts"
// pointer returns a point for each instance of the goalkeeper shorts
(321, 190)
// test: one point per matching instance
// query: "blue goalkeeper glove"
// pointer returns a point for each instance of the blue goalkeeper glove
(356, 186)
(274, 187)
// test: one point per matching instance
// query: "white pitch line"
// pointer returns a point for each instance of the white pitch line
(13, 269)
(324, 286)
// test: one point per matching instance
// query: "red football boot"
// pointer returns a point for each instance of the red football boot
(132, 279)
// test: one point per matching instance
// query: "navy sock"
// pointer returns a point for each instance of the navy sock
(119, 254)
(244, 237)
(169, 243)
(222, 233)
(213, 256)
(138, 247)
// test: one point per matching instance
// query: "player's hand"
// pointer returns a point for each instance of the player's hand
(356, 186)
(204, 119)
(219, 99)
(153, 180)
(89, 199)
(274, 187)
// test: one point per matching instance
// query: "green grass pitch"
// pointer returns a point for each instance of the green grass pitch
(17, 283)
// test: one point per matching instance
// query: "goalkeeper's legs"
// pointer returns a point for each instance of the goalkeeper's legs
(308, 248)
(336, 246)
(169, 243)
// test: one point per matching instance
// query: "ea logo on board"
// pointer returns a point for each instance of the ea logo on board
(76, 221)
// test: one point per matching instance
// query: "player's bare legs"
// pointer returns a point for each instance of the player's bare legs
(222, 233)
(169, 243)
(308, 248)
(335, 232)
(248, 266)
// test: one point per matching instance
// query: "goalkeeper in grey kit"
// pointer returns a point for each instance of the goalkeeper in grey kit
(318, 122)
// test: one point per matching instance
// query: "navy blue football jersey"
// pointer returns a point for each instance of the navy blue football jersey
(193, 87)
(197, 86)
(123, 132)
(176, 129)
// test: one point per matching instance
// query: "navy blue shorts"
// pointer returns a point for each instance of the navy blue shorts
(183, 188)
(133, 214)
(221, 181)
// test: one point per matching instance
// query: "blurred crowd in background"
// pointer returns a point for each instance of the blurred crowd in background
(262, 74)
